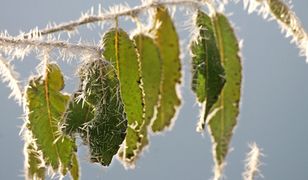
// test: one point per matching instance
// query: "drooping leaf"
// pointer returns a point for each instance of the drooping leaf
(208, 73)
(74, 171)
(223, 116)
(151, 77)
(46, 105)
(167, 41)
(106, 130)
(34, 166)
(120, 50)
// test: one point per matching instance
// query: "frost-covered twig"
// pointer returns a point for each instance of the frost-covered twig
(286, 18)
(121, 11)
(18, 48)
(8, 74)
(253, 162)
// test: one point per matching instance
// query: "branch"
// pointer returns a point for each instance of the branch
(286, 18)
(253, 163)
(86, 19)
(18, 48)
(8, 74)
(11, 41)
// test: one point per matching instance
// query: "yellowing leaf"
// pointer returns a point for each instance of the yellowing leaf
(46, 106)
(74, 171)
(151, 77)
(120, 50)
(167, 42)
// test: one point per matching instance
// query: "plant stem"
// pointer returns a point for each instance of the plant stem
(72, 25)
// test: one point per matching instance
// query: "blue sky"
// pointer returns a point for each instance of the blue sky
(273, 108)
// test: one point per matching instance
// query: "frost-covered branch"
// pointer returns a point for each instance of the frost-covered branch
(18, 48)
(253, 162)
(23, 44)
(8, 74)
(116, 11)
(286, 18)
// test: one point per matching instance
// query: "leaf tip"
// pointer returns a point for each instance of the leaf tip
(201, 123)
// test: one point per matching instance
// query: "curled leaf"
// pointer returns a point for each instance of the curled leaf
(99, 117)
(208, 73)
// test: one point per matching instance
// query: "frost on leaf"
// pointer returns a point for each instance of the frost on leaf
(208, 73)
(151, 77)
(167, 41)
(45, 104)
(120, 51)
(223, 116)
(34, 165)
(77, 115)
(99, 115)
(286, 18)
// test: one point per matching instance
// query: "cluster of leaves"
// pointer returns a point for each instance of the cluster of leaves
(130, 90)
(114, 105)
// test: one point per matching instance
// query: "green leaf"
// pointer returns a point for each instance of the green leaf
(223, 116)
(208, 73)
(74, 171)
(106, 131)
(34, 166)
(78, 114)
(151, 77)
(46, 106)
(120, 50)
(167, 41)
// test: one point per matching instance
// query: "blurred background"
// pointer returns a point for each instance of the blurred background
(273, 107)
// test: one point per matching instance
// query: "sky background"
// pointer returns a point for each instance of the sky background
(273, 107)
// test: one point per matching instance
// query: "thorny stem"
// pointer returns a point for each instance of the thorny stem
(8, 74)
(31, 39)
(11, 41)
(71, 26)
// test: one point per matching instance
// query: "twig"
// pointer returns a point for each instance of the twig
(71, 26)
(8, 74)
(20, 47)
(11, 41)
(253, 163)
